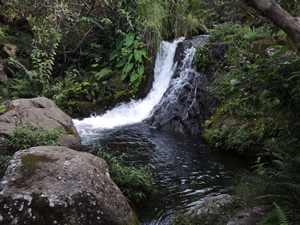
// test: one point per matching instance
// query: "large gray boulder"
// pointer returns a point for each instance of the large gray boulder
(56, 185)
(40, 112)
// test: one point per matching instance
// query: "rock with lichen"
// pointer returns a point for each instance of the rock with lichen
(212, 210)
(57, 185)
(41, 112)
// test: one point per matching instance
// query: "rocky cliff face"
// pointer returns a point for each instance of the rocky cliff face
(56, 185)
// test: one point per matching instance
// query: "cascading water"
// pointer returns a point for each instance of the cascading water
(186, 104)
(184, 172)
(136, 111)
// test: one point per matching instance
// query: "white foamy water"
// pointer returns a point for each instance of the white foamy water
(137, 111)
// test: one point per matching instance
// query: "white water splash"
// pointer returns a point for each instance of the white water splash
(136, 111)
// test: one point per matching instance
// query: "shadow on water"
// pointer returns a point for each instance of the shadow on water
(185, 171)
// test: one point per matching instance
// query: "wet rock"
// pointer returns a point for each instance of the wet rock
(8, 69)
(56, 185)
(212, 206)
(251, 216)
(3, 75)
(212, 210)
(40, 112)
(188, 103)
(188, 111)
(8, 50)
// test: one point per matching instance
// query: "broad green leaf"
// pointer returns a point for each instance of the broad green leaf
(225, 82)
(119, 43)
(143, 51)
(128, 67)
(133, 76)
(124, 75)
(141, 69)
(129, 39)
(102, 73)
(113, 55)
(137, 54)
(120, 64)
(94, 65)
(130, 57)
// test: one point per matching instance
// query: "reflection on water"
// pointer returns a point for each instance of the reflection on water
(185, 173)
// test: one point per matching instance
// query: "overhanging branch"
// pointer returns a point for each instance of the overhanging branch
(281, 18)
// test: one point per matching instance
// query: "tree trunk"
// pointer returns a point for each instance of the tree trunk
(281, 18)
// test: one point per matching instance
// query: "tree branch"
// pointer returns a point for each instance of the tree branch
(281, 18)
(80, 42)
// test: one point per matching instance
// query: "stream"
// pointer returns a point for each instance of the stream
(186, 172)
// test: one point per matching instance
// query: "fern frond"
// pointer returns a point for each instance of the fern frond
(275, 196)
(290, 186)
(281, 216)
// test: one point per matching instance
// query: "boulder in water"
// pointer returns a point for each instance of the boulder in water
(250, 216)
(212, 206)
(56, 185)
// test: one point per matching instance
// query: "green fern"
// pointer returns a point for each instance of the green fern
(281, 216)
(103, 73)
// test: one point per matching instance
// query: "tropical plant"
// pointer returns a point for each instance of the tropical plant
(259, 114)
(30, 136)
(135, 182)
(130, 54)
(2, 106)
(4, 160)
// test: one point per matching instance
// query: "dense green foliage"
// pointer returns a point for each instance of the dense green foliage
(135, 182)
(82, 53)
(30, 136)
(258, 113)
(90, 51)
(2, 106)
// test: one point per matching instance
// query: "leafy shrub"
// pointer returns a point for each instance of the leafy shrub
(4, 160)
(130, 54)
(134, 182)
(2, 106)
(30, 136)
(201, 59)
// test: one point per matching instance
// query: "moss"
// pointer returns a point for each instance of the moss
(31, 161)
(119, 94)
(133, 221)
(70, 131)
(119, 83)
(29, 165)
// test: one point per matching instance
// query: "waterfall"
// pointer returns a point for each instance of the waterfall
(136, 111)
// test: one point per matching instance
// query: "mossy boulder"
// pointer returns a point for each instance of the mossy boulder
(57, 185)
